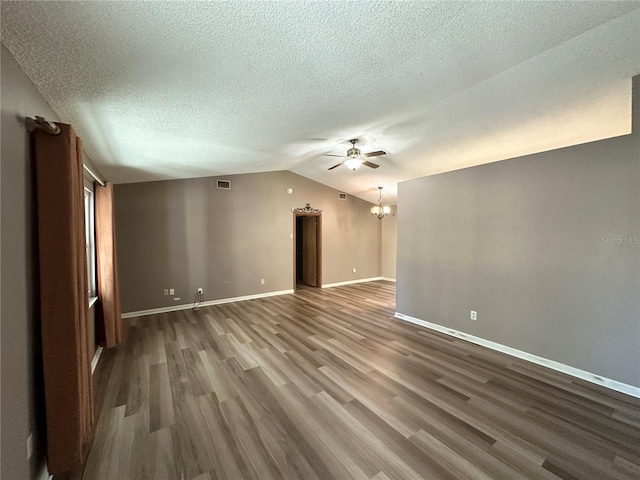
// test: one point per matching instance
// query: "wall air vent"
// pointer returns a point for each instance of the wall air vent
(342, 196)
(223, 184)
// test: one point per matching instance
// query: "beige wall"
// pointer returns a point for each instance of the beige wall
(185, 234)
(19, 328)
(389, 240)
(544, 248)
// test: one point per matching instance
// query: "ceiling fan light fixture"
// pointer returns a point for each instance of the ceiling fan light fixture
(353, 163)
(355, 159)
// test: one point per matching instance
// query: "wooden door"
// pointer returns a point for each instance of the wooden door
(298, 250)
(309, 251)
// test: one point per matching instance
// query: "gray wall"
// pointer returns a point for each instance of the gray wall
(21, 400)
(185, 234)
(544, 247)
(389, 241)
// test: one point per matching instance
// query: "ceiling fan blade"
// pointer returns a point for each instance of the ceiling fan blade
(330, 155)
(369, 164)
(335, 166)
(374, 154)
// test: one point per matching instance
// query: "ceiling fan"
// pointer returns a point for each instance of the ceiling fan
(354, 158)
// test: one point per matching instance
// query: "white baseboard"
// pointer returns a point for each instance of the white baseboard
(388, 279)
(96, 357)
(174, 308)
(351, 282)
(560, 367)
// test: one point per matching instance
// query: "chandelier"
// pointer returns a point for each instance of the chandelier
(380, 211)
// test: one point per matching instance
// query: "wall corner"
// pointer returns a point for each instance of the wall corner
(635, 105)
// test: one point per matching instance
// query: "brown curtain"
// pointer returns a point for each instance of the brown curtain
(109, 321)
(64, 301)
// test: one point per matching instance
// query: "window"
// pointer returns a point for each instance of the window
(89, 225)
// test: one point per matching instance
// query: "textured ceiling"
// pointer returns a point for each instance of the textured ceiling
(162, 90)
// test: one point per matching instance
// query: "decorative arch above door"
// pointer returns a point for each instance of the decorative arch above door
(306, 209)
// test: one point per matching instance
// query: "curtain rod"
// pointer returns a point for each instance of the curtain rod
(40, 123)
(90, 172)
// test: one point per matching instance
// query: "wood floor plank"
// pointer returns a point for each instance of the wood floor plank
(218, 373)
(379, 406)
(580, 452)
(198, 378)
(162, 465)
(316, 376)
(297, 459)
(326, 384)
(459, 466)
(525, 462)
(372, 449)
(190, 439)
(294, 374)
(396, 442)
(109, 436)
(466, 447)
(160, 400)
(243, 428)
(225, 452)
(312, 422)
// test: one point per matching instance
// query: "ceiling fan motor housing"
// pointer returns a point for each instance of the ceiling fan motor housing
(353, 152)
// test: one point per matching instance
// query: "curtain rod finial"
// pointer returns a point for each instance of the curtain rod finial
(42, 124)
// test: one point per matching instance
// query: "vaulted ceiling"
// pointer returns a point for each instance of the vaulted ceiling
(165, 90)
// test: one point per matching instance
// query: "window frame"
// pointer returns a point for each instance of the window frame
(90, 242)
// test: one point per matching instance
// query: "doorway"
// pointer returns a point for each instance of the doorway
(307, 250)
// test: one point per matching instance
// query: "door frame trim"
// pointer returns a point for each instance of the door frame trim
(318, 245)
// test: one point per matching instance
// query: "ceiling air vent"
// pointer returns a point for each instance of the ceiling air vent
(342, 196)
(223, 184)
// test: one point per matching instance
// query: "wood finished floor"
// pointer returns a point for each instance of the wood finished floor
(327, 384)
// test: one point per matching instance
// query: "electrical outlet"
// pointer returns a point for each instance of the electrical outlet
(166, 291)
(354, 269)
(474, 315)
(262, 281)
(30, 445)
(200, 290)
(176, 299)
(172, 291)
